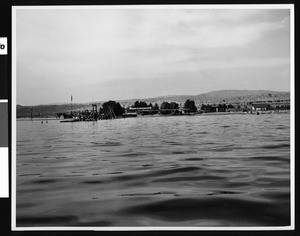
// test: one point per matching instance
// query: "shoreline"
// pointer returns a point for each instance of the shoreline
(140, 116)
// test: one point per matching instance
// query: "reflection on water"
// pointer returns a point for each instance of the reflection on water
(228, 170)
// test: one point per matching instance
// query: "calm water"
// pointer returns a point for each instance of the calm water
(228, 170)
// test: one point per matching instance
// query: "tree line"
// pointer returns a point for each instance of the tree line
(113, 109)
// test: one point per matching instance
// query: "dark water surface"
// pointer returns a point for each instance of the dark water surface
(228, 170)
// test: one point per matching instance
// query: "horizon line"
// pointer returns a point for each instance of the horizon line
(161, 96)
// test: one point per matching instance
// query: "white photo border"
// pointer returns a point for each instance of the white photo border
(193, 6)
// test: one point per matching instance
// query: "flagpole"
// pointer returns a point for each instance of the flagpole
(71, 106)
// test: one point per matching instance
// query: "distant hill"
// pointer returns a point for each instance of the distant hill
(48, 110)
(236, 96)
(222, 96)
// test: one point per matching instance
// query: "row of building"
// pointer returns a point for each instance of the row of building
(244, 107)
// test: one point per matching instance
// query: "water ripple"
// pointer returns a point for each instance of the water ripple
(160, 171)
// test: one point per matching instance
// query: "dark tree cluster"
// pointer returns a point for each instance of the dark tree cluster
(167, 108)
(222, 107)
(112, 109)
(214, 108)
(169, 105)
(155, 107)
(190, 105)
(139, 104)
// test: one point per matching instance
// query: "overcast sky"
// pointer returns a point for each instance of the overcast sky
(102, 54)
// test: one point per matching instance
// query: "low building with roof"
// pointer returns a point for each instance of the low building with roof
(260, 106)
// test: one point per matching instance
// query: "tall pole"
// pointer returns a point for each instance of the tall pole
(31, 113)
(71, 105)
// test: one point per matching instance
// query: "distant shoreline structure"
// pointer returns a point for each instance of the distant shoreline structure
(113, 110)
(223, 97)
(213, 95)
